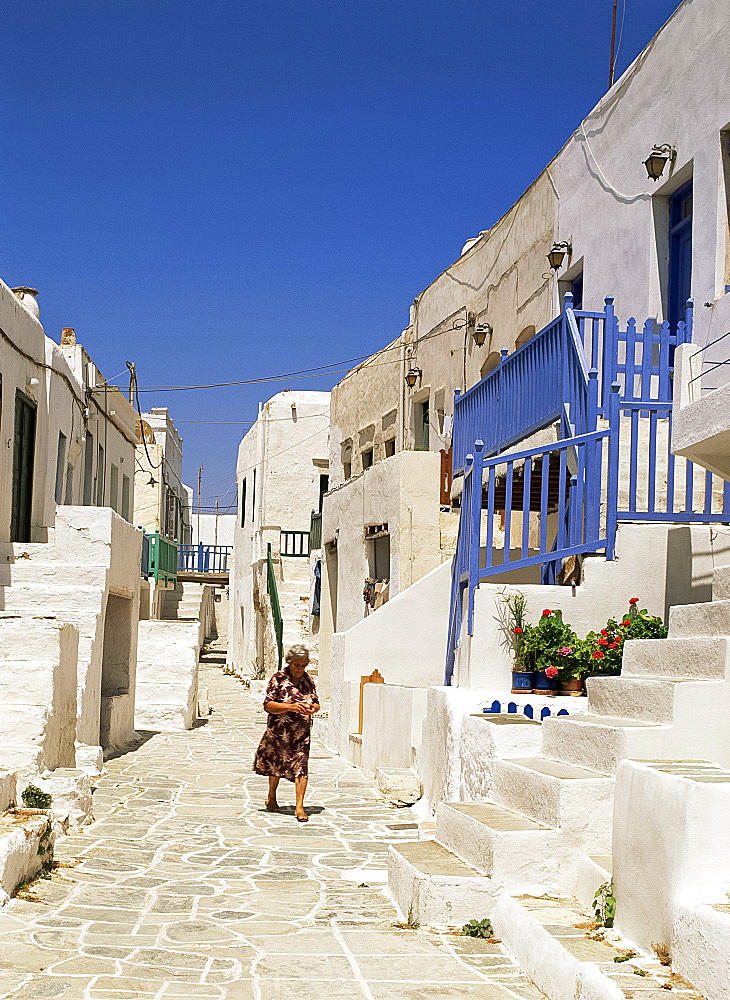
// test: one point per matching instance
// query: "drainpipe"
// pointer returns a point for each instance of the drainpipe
(402, 395)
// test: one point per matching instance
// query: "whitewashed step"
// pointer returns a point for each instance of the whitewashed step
(708, 619)
(27, 682)
(56, 597)
(432, 887)
(26, 572)
(30, 637)
(697, 658)
(644, 699)
(576, 800)
(600, 742)
(23, 723)
(498, 842)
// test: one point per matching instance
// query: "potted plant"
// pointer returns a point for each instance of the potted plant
(605, 649)
(541, 648)
(572, 668)
(512, 620)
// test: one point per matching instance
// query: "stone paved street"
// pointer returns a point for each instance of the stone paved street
(185, 887)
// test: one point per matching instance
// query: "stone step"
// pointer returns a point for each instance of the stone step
(498, 842)
(550, 941)
(696, 658)
(26, 572)
(56, 597)
(600, 742)
(709, 619)
(644, 699)
(578, 801)
(432, 887)
(721, 583)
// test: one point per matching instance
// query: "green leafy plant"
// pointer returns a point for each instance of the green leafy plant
(34, 798)
(511, 618)
(604, 905)
(542, 642)
(625, 956)
(258, 669)
(605, 649)
(478, 929)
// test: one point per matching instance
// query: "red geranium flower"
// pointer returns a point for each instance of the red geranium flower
(603, 642)
(614, 645)
(626, 622)
(546, 613)
(598, 655)
(634, 600)
(604, 632)
(551, 672)
(517, 631)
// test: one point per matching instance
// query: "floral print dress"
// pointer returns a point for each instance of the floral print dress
(284, 748)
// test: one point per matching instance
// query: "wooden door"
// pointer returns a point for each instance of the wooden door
(23, 461)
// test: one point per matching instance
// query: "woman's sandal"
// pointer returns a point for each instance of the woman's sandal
(303, 819)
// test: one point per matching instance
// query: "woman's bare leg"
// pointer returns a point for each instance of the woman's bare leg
(271, 804)
(300, 787)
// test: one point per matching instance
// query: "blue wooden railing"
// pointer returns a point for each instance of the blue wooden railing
(591, 479)
(204, 558)
(546, 380)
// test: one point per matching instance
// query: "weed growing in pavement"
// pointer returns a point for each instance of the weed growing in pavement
(604, 905)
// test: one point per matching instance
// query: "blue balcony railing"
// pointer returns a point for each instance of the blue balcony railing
(204, 558)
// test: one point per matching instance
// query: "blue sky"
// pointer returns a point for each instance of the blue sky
(230, 190)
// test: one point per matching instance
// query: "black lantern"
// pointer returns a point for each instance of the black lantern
(557, 255)
(152, 481)
(481, 333)
(658, 157)
(412, 376)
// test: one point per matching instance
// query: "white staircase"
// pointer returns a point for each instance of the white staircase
(548, 826)
(294, 590)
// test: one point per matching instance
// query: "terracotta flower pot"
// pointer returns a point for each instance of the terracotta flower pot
(572, 688)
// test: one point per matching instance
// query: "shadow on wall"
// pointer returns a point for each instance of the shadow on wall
(688, 579)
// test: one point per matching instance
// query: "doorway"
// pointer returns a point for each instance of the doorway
(23, 462)
(680, 252)
(115, 657)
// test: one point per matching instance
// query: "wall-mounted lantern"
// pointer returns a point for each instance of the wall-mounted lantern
(557, 255)
(661, 154)
(481, 332)
(152, 481)
(413, 376)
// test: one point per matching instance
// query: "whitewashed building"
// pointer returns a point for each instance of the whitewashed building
(282, 475)
(161, 499)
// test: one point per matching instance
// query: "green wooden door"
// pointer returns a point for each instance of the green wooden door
(23, 460)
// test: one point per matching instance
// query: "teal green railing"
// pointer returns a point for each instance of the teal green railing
(273, 592)
(315, 531)
(163, 558)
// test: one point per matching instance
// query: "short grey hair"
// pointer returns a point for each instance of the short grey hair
(298, 652)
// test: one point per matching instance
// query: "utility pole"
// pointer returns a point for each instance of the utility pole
(216, 523)
(200, 478)
(132, 379)
(613, 46)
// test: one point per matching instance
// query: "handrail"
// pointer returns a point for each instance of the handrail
(295, 543)
(273, 592)
(163, 558)
(204, 558)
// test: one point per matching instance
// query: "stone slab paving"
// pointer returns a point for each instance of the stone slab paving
(184, 886)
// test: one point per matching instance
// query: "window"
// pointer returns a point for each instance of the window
(576, 287)
(114, 487)
(492, 361)
(60, 466)
(347, 460)
(367, 458)
(100, 475)
(324, 485)
(125, 497)
(390, 448)
(243, 503)
(347, 469)
(378, 551)
(253, 497)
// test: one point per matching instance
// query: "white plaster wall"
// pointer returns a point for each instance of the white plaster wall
(402, 492)
(700, 424)
(287, 450)
(662, 565)
(207, 535)
(668, 847)
(391, 725)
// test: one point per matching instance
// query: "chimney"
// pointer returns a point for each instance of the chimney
(68, 336)
(28, 296)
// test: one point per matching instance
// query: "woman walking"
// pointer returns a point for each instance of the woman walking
(291, 701)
